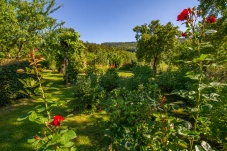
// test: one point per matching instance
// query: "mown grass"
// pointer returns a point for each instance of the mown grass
(125, 74)
(14, 134)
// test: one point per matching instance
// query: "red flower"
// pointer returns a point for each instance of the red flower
(183, 15)
(211, 19)
(183, 34)
(57, 120)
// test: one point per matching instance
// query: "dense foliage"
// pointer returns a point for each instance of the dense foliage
(110, 80)
(106, 55)
(9, 84)
(23, 25)
(182, 108)
(88, 95)
(153, 40)
(142, 75)
(129, 46)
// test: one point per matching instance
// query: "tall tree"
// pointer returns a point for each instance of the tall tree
(153, 40)
(212, 7)
(70, 53)
(23, 24)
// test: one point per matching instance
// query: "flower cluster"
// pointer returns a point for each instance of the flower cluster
(57, 120)
(190, 17)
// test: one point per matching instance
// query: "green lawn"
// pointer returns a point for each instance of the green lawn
(14, 134)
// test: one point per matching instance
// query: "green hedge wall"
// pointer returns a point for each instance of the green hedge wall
(9, 83)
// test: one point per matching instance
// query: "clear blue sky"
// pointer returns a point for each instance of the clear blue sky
(100, 21)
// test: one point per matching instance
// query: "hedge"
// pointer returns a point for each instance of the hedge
(9, 83)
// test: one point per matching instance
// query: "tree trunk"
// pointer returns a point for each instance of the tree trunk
(8, 53)
(19, 51)
(66, 66)
(155, 62)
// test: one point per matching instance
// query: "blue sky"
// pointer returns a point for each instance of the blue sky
(100, 21)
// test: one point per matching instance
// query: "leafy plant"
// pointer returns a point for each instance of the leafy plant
(55, 136)
(142, 75)
(130, 117)
(173, 80)
(110, 80)
(205, 93)
(88, 95)
(9, 84)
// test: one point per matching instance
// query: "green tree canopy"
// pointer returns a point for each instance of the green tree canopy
(23, 25)
(153, 40)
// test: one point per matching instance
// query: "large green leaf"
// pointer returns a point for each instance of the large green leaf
(210, 31)
(32, 116)
(23, 117)
(206, 107)
(36, 142)
(73, 149)
(31, 140)
(68, 144)
(182, 144)
(56, 138)
(40, 109)
(67, 136)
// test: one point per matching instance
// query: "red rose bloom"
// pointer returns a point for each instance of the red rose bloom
(183, 34)
(57, 120)
(183, 15)
(211, 19)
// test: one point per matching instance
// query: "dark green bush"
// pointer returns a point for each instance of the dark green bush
(9, 83)
(128, 66)
(88, 95)
(72, 72)
(142, 76)
(110, 80)
(177, 80)
(130, 116)
(174, 80)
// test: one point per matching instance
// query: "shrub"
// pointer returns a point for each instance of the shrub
(110, 80)
(142, 76)
(88, 95)
(175, 80)
(169, 81)
(128, 66)
(130, 116)
(9, 83)
(217, 73)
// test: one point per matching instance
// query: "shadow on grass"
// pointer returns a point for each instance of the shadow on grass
(90, 131)
(14, 134)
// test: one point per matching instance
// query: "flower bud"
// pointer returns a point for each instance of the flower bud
(37, 137)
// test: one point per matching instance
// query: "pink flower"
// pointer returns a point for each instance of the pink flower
(57, 120)
(183, 15)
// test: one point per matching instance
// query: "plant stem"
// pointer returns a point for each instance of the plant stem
(41, 88)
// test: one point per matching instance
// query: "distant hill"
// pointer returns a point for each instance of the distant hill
(128, 46)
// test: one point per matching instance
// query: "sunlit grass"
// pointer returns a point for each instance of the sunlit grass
(125, 74)
(14, 134)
